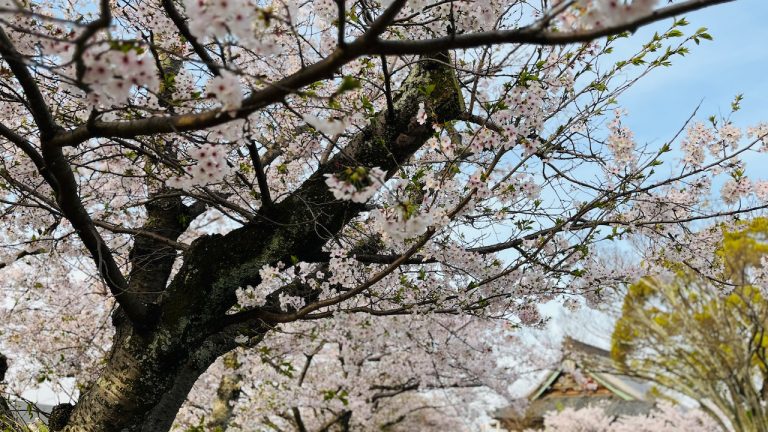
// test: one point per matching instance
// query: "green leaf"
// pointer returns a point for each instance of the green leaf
(736, 104)
(674, 33)
(348, 83)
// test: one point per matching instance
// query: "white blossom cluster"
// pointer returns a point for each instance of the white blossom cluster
(526, 104)
(698, 138)
(272, 279)
(226, 89)
(735, 189)
(621, 143)
(329, 127)
(477, 182)
(521, 186)
(112, 74)
(356, 185)
(443, 145)
(421, 115)
(220, 18)
(288, 302)
(664, 418)
(249, 297)
(761, 190)
(211, 167)
(398, 225)
(759, 132)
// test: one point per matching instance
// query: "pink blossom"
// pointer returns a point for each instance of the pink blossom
(210, 167)
(227, 90)
(352, 187)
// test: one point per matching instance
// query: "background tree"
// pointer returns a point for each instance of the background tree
(372, 378)
(704, 337)
(184, 180)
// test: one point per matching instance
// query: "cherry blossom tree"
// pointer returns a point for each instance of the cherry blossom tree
(364, 188)
(374, 379)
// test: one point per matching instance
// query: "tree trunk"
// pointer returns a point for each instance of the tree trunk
(5, 410)
(147, 379)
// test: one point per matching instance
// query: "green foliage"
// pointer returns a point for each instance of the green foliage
(736, 104)
(701, 34)
(704, 336)
(742, 250)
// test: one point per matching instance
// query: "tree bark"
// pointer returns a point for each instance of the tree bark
(226, 395)
(5, 410)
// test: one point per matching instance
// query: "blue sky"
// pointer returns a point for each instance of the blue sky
(735, 62)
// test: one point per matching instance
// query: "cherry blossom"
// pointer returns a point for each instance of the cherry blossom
(330, 127)
(357, 185)
(399, 225)
(666, 418)
(219, 18)
(210, 167)
(734, 189)
(421, 117)
(227, 90)
(111, 75)
(606, 13)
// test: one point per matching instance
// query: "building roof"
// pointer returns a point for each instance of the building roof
(587, 362)
(580, 380)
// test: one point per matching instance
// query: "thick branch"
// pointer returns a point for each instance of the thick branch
(67, 197)
(261, 177)
(142, 233)
(301, 224)
(273, 93)
(532, 34)
(155, 247)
